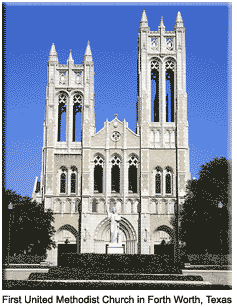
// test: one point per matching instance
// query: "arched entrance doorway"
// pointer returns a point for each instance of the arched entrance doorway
(163, 238)
(67, 238)
(102, 236)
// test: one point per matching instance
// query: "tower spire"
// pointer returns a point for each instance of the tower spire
(70, 56)
(53, 50)
(88, 49)
(161, 26)
(144, 21)
(53, 54)
(88, 54)
(179, 21)
(70, 59)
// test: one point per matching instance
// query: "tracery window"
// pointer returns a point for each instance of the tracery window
(98, 174)
(63, 179)
(155, 91)
(77, 108)
(168, 181)
(158, 180)
(63, 183)
(78, 78)
(169, 43)
(73, 172)
(132, 174)
(115, 174)
(154, 43)
(62, 79)
(169, 67)
(73, 183)
(158, 183)
(62, 115)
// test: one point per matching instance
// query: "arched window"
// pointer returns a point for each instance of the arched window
(132, 174)
(73, 179)
(98, 174)
(168, 181)
(169, 66)
(63, 183)
(158, 180)
(94, 205)
(73, 183)
(115, 175)
(63, 179)
(62, 115)
(155, 91)
(77, 107)
(158, 183)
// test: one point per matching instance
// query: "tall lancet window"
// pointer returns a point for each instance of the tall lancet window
(73, 183)
(168, 181)
(62, 117)
(132, 174)
(77, 107)
(73, 179)
(63, 180)
(115, 175)
(158, 181)
(98, 174)
(155, 91)
(169, 66)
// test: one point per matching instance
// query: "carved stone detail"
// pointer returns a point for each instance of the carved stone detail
(154, 43)
(62, 78)
(169, 43)
(79, 78)
(115, 136)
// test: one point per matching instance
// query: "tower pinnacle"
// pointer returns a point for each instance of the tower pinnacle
(88, 49)
(144, 21)
(70, 59)
(70, 56)
(161, 26)
(53, 54)
(88, 54)
(53, 50)
(179, 21)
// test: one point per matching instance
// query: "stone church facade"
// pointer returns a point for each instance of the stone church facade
(140, 173)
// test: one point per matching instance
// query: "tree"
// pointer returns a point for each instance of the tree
(29, 225)
(205, 216)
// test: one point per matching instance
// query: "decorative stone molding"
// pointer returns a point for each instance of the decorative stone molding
(115, 136)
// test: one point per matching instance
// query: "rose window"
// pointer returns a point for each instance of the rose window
(115, 136)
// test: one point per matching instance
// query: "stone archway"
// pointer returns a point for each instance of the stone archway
(68, 228)
(163, 240)
(168, 230)
(67, 241)
(102, 236)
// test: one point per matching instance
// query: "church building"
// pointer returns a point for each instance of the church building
(141, 173)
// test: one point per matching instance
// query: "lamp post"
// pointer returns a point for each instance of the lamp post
(220, 205)
(9, 234)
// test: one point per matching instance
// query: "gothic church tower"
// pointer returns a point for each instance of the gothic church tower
(162, 116)
(140, 174)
